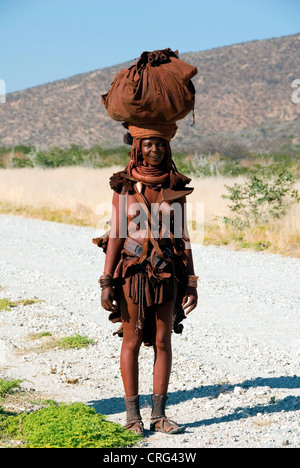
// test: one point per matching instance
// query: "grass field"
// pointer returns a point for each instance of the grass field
(82, 196)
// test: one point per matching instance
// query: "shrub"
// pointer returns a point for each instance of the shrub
(56, 157)
(260, 199)
(21, 162)
(100, 157)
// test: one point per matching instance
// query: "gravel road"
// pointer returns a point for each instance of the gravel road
(235, 380)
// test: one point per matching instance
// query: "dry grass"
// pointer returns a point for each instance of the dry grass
(82, 196)
(70, 195)
(79, 191)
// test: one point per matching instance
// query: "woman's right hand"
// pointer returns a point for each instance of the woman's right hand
(107, 299)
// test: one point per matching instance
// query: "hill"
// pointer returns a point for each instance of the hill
(243, 103)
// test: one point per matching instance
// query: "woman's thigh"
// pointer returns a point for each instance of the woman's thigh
(130, 317)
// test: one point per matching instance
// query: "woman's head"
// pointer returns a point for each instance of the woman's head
(150, 145)
(152, 151)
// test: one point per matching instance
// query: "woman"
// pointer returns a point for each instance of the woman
(148, 281)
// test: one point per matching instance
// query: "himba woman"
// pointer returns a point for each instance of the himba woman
(149, 283)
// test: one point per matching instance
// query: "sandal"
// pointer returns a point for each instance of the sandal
(176, 429)
(158, 415)
(134, 421)
(136, 426)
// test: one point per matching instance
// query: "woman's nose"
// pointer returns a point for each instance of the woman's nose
(155, 148)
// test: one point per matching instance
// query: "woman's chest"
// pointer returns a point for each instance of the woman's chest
(146, 207)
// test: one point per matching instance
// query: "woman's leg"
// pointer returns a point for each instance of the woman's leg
(162, 347)
(130, 346)
(162, 368)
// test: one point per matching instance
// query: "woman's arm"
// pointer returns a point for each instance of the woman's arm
(118, 227)
(114, 247)
(190, 298)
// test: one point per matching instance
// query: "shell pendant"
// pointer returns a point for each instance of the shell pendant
(139, 186)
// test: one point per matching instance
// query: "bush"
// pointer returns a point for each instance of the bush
(99, 157)
(22, 162)
(260, 199)
(57, 157)
(215, 160)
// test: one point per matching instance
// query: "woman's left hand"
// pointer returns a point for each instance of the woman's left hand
(190, 299)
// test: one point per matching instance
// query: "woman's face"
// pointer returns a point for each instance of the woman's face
(153, 150)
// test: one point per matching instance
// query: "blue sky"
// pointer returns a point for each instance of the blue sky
(46, 40)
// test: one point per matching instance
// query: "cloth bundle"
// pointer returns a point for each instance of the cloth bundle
(157, 89)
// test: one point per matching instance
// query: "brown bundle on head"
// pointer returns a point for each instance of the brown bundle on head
(156, 89)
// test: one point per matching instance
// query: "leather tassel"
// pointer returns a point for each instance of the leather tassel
(141, 292)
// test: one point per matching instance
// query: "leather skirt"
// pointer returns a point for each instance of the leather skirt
(154, 281)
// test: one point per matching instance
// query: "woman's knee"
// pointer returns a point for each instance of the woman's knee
(132, 343)
(163, 327)
(163, 342)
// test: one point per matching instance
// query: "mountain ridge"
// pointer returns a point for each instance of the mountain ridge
(243, 100)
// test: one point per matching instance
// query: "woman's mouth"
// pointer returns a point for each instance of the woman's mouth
(155, 157)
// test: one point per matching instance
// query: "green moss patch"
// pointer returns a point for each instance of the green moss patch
(76, 341)
(74, 425)
(6, 304)
(7, 385)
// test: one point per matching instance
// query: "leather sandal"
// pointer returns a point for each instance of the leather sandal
(158, 415)
(136, 426)
(134, 421)
(160, 428)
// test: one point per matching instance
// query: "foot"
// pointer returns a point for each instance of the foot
(135, 426)
(167, 426)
